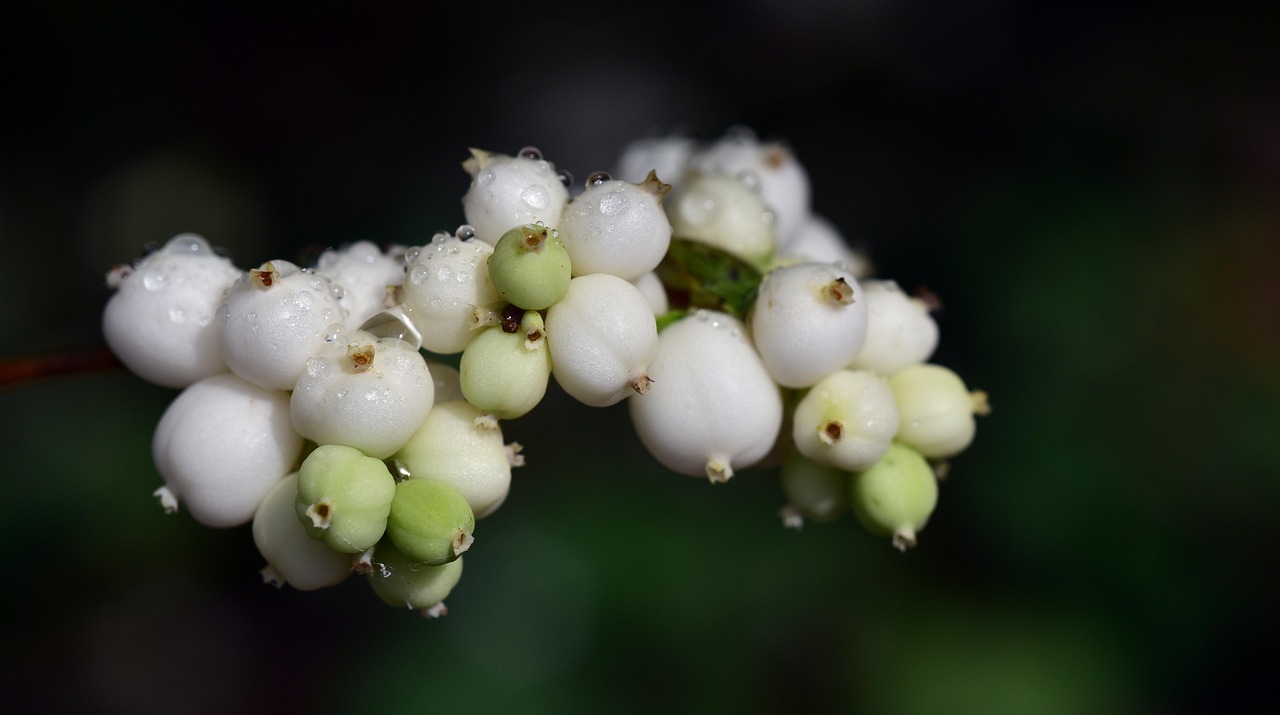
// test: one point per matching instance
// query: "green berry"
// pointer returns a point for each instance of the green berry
(530, 267)
(896, 495)
(344, 497)
(430, 522)
(506, 373)
(401, 582)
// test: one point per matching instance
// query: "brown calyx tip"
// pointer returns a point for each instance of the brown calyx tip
(462, 540)
(776, 155)
(533, 238)
(830, 432)
(932, 302)
(360, 357)
(654, 185)
(264, 277)
(641, 384)
(321, 514)
(840, 292)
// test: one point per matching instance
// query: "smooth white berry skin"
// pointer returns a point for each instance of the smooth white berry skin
(508, 191)
(274, 319)
(617, 227)
(363, 272)
(712, 407)
(808, 320)
(847, 420)
(296, 559)
(374, 406)
(783, 182)
(900, 329)
(460, 445)
(445, 282)
(817, 240)
(602, 335)
(160, 320)
(654, 292)
(667, 156)
(722, 212)
(222, 444)
(936, 410)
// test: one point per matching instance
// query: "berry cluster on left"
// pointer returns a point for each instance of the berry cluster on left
(305, 411)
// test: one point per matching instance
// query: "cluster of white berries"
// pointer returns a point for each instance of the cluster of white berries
(321, 403)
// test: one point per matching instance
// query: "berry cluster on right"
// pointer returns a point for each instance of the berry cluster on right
(780, 348)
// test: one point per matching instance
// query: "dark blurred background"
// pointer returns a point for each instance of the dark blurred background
(1092, 194)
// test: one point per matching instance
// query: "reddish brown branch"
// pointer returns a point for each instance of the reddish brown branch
(56, 363)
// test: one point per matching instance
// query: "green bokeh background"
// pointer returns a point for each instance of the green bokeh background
(1092, 195)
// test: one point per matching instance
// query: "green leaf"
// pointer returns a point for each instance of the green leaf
(697, 275)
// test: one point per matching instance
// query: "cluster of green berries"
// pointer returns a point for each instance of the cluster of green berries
(352, 410)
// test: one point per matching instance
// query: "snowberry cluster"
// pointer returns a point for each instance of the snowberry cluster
(322, 404)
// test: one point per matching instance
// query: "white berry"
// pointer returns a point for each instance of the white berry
(159, 321)
(809, 319)
(508, 191)
(712, 407)
(617, 227)
(602, 335)
(274, 319)
(221, 445)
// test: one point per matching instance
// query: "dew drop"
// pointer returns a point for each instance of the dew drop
(597, 178)
(751, 180)
(565, 177)
(412, 254)
(530, 152)
(337, 291)
(535, 196)
(613, 203)
(465, 232)
(154, 281)
(486, 177)
(419, 275)
(317, 368)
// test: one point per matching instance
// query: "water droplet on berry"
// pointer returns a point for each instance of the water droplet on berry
(613, 203)
(751, 180)
(598, 178)
(565, 177)
(530, 152)
(317, 368)
(465, 232)
(154, 281)
(535, 196)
